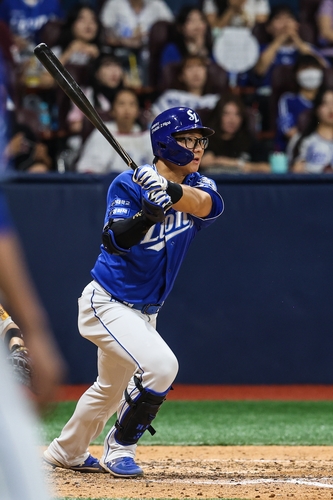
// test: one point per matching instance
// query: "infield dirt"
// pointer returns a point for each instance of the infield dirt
(246, 472)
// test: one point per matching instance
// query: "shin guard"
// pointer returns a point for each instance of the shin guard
(138, 416)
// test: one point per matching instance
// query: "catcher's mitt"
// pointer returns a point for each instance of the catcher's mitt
(20, 362)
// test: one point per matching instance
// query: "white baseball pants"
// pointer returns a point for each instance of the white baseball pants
(128, 344)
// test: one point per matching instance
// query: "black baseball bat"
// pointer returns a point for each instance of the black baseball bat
(65, 80)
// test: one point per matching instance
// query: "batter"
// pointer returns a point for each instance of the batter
(151, 218)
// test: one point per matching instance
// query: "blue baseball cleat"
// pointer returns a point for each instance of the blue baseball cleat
(91, 464)
(123, 467)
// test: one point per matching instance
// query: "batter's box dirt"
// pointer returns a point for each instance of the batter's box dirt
(247, 472)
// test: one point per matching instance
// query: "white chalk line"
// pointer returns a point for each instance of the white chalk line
(244, 482)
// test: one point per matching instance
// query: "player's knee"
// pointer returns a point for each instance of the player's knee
(167, 369)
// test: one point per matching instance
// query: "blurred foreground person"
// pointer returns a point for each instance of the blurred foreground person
(18, 444)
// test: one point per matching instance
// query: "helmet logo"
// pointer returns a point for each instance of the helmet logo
(193, 116)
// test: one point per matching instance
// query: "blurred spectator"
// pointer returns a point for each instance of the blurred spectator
(80, 40)
(233, 147)
(127, 24)
(25, 18)
(107, 77)
(190, 90)
(99, 157)
(309, 75)
(20, 147)
(312, 152)
(193, 37)
(25, 153)
(285, 46)
(222, 13)
(325, 27)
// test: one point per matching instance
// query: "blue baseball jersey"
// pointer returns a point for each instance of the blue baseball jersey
(147, 272)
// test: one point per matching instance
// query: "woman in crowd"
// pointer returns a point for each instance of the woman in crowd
(233, 148)
(107, 78)
(309, 76)
(80, 41)
(193, 37)
(99, 157)
(313, 151)
(190, 88)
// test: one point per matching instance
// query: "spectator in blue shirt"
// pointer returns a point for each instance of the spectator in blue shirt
(193, 37)
(309, 76)
(285, 46)
(26, 17)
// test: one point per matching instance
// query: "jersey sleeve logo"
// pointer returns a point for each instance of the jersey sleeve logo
(206, 182)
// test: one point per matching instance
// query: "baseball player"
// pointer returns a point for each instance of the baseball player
(151, 218)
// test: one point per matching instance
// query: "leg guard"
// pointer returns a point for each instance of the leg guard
(137, 418)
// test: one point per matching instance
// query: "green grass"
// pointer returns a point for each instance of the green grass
(224, 423)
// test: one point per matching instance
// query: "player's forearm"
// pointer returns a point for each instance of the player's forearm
(194, 201)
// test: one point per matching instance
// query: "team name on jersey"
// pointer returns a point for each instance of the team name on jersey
(174, 224)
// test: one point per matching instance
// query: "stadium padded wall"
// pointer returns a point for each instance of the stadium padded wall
(253, 301)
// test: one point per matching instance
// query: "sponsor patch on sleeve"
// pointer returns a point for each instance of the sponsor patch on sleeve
(120, 202)
(122, 211)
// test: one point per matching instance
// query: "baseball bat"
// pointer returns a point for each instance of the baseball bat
(65, 80)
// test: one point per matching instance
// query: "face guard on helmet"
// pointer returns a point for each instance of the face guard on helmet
(169, 123)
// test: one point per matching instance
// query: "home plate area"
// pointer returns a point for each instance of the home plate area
(238, 472)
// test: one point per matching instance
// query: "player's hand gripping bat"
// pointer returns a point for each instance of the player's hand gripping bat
(75, 93)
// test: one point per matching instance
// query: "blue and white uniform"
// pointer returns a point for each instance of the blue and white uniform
(127, 338)
(119, 307)
(164, 246)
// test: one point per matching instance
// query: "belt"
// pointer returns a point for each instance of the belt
(144, 308)
(147, 308)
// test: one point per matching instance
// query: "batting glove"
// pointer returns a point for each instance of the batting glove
(155, 204)
(149, 179)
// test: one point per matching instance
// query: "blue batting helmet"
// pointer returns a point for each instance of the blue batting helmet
(169, 122)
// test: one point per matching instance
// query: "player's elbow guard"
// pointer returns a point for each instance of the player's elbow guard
(110, 244)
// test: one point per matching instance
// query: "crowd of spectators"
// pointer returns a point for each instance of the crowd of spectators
(136, 58)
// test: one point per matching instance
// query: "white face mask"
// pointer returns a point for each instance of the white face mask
(310, 78)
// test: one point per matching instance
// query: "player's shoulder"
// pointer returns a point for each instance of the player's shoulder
(123, 178)
(200, 181)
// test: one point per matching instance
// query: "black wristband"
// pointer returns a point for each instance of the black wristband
(175, 191)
